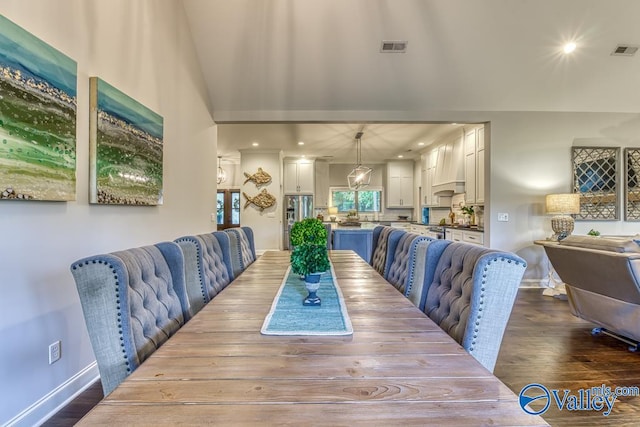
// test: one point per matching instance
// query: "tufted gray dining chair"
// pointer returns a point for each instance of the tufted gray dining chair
(471, 297)
(207, 261)
(385, 240)
(133, 301)
(399, 272)
(243, 250)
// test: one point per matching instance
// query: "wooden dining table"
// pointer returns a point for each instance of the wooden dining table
(398, 367)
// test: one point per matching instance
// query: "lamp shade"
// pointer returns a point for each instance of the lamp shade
(558, 204)
(333, 210)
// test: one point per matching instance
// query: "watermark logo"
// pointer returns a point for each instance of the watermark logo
(535, 393)
(535, 399)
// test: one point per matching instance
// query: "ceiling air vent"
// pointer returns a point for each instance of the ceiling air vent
(624, 50)
(393, 46)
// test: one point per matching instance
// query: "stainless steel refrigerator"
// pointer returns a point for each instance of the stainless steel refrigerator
(296, 208)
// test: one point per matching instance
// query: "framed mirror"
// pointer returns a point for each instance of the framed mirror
(597, 179)
(632, 184)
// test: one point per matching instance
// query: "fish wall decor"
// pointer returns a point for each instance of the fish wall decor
(263, 200)
(259, 178)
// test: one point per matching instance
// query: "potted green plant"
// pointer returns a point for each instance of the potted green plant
(309, 230)
(310, 260)
(468, 210)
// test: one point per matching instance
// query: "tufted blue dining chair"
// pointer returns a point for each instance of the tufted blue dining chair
(243, 250)
(471, 297)
(207, 261)
(423, 262)
(133, 301)
(385, 240)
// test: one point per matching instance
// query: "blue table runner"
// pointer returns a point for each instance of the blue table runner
(289, 317)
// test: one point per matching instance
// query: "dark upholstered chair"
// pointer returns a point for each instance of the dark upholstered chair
(243, 249)
(133, 301)
(385, 240)
(471, 297)
(207, 261)
(399, 271)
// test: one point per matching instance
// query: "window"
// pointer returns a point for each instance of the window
(361, 200)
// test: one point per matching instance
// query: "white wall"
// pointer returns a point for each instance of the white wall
(531, 157)
(143, 48)
(266, 224)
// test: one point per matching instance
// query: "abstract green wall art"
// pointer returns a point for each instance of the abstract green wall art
(125, 148)
(37, 118)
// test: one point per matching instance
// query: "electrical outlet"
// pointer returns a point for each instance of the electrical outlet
(55, 352)
(503, 217)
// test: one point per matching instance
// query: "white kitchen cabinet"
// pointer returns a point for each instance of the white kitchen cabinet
(466, 236)
(400, 184)
(424, 181)
(418, 229)
(480, 166)
(321, 197)
(470, 166)
(474, 166)
(453, 235)
(429, 160)
(298, 177)
(474, 237)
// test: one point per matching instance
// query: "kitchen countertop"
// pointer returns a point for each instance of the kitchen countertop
(452, 227)
(338, 225)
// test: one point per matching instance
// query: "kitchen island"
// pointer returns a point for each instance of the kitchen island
(359, 240)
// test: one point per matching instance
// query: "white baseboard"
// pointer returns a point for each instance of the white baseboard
(56, 399)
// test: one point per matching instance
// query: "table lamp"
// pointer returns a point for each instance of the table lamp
(562, 206)
(333, 211)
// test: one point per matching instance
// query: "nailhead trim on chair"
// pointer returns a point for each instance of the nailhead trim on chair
(482, 290)
(199, 265)
(119, 315)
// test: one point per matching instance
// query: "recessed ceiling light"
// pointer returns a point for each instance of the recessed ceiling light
(400, 156)
(255, 144)
(453, 124)
(300, 143)
(569, 47)
(420, 143)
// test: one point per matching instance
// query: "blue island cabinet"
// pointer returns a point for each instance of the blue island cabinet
(357, 239)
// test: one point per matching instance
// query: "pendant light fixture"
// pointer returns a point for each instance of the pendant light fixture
(360, 176)
(222, 175)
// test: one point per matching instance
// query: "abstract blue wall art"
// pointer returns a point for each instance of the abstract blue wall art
(125, 148)
(37, 118)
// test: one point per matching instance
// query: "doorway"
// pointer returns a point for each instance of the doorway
(228, 209)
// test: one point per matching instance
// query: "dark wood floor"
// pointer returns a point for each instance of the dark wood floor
(543, 344)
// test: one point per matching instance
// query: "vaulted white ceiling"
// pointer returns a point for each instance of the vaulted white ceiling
(262, 56)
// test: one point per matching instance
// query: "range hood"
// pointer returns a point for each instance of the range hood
(441, 202)
(448, 188)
